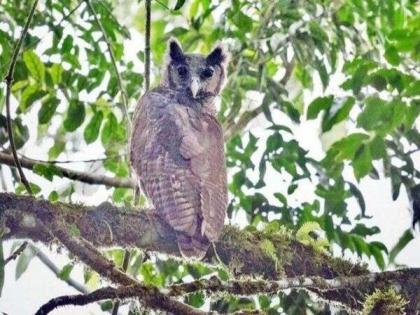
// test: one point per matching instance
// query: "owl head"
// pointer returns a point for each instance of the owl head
(200, 76)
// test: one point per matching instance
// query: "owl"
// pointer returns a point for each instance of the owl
(176, 147)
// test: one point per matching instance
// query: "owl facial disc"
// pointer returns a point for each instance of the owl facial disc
(199, 77)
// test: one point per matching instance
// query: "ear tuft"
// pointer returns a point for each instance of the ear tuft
(219, 55)
(175, 51)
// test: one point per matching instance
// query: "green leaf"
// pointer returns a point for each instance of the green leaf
(19, 85)
(363, 230)
(21, 189)
(56, 149)
(110, 124)
(56, 72)
(92, 129)
(67, 44)
(195, 299)
(346, 148)
(179, 4)
(413, 89)
(242, 21)
(341, 114)
(119, 168)
(47, 171)
(280, 197)
(318, 105)
(65, 272)
(377, 148)
(361, 246)
(357, 80)
(370, 118)
(20, 132)
(381, 116)
(53, 196)
(395, 182)
(405, 238)
(75, 115)
(359, 197)
(34, 65)
(48, 109)
(291, 189)
(23, 262)
(30, 94)
(377, 254)
(362, 163)
(107, 306)
(392, 56)
(112, 131)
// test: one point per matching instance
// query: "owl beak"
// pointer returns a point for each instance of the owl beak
(195, 87)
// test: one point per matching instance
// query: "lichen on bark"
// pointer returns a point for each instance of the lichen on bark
(386, 301)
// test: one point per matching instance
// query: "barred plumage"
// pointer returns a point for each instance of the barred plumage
(177, 149)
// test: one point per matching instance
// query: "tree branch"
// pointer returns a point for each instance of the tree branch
(248, 287)
(16, 253)
(272, 256)
(87, 253)
(148, 9)
(7, 159)
(9, 81)
(79, 299)
(50, 265)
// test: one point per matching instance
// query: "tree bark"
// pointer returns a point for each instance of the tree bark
(272, 256)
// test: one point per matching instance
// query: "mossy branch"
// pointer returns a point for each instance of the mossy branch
(274, 256)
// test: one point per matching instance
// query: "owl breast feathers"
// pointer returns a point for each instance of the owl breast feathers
(177, 153)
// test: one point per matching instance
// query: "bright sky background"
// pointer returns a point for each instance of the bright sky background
(39, 284)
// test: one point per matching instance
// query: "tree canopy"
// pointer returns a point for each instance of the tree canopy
(73, 72)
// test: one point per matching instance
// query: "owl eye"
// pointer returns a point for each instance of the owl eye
(182, 71)
(207, 73)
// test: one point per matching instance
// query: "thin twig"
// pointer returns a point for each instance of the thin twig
(251, 287)
(147, 45)
(16, 253)
(78, 299)
(163, 5)
(50, 265)
(238, 287)
(80, 176)
(86, 252)
(74, 161)
(9, 81)
(113, 61)
(65, 17)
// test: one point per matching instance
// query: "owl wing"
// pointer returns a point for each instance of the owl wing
(203, 144)
(180, 163)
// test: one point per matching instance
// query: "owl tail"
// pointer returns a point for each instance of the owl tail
(193, 246)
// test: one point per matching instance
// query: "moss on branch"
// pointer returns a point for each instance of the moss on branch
(268, 255)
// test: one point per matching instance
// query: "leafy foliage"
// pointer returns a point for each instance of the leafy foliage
(350, 62)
